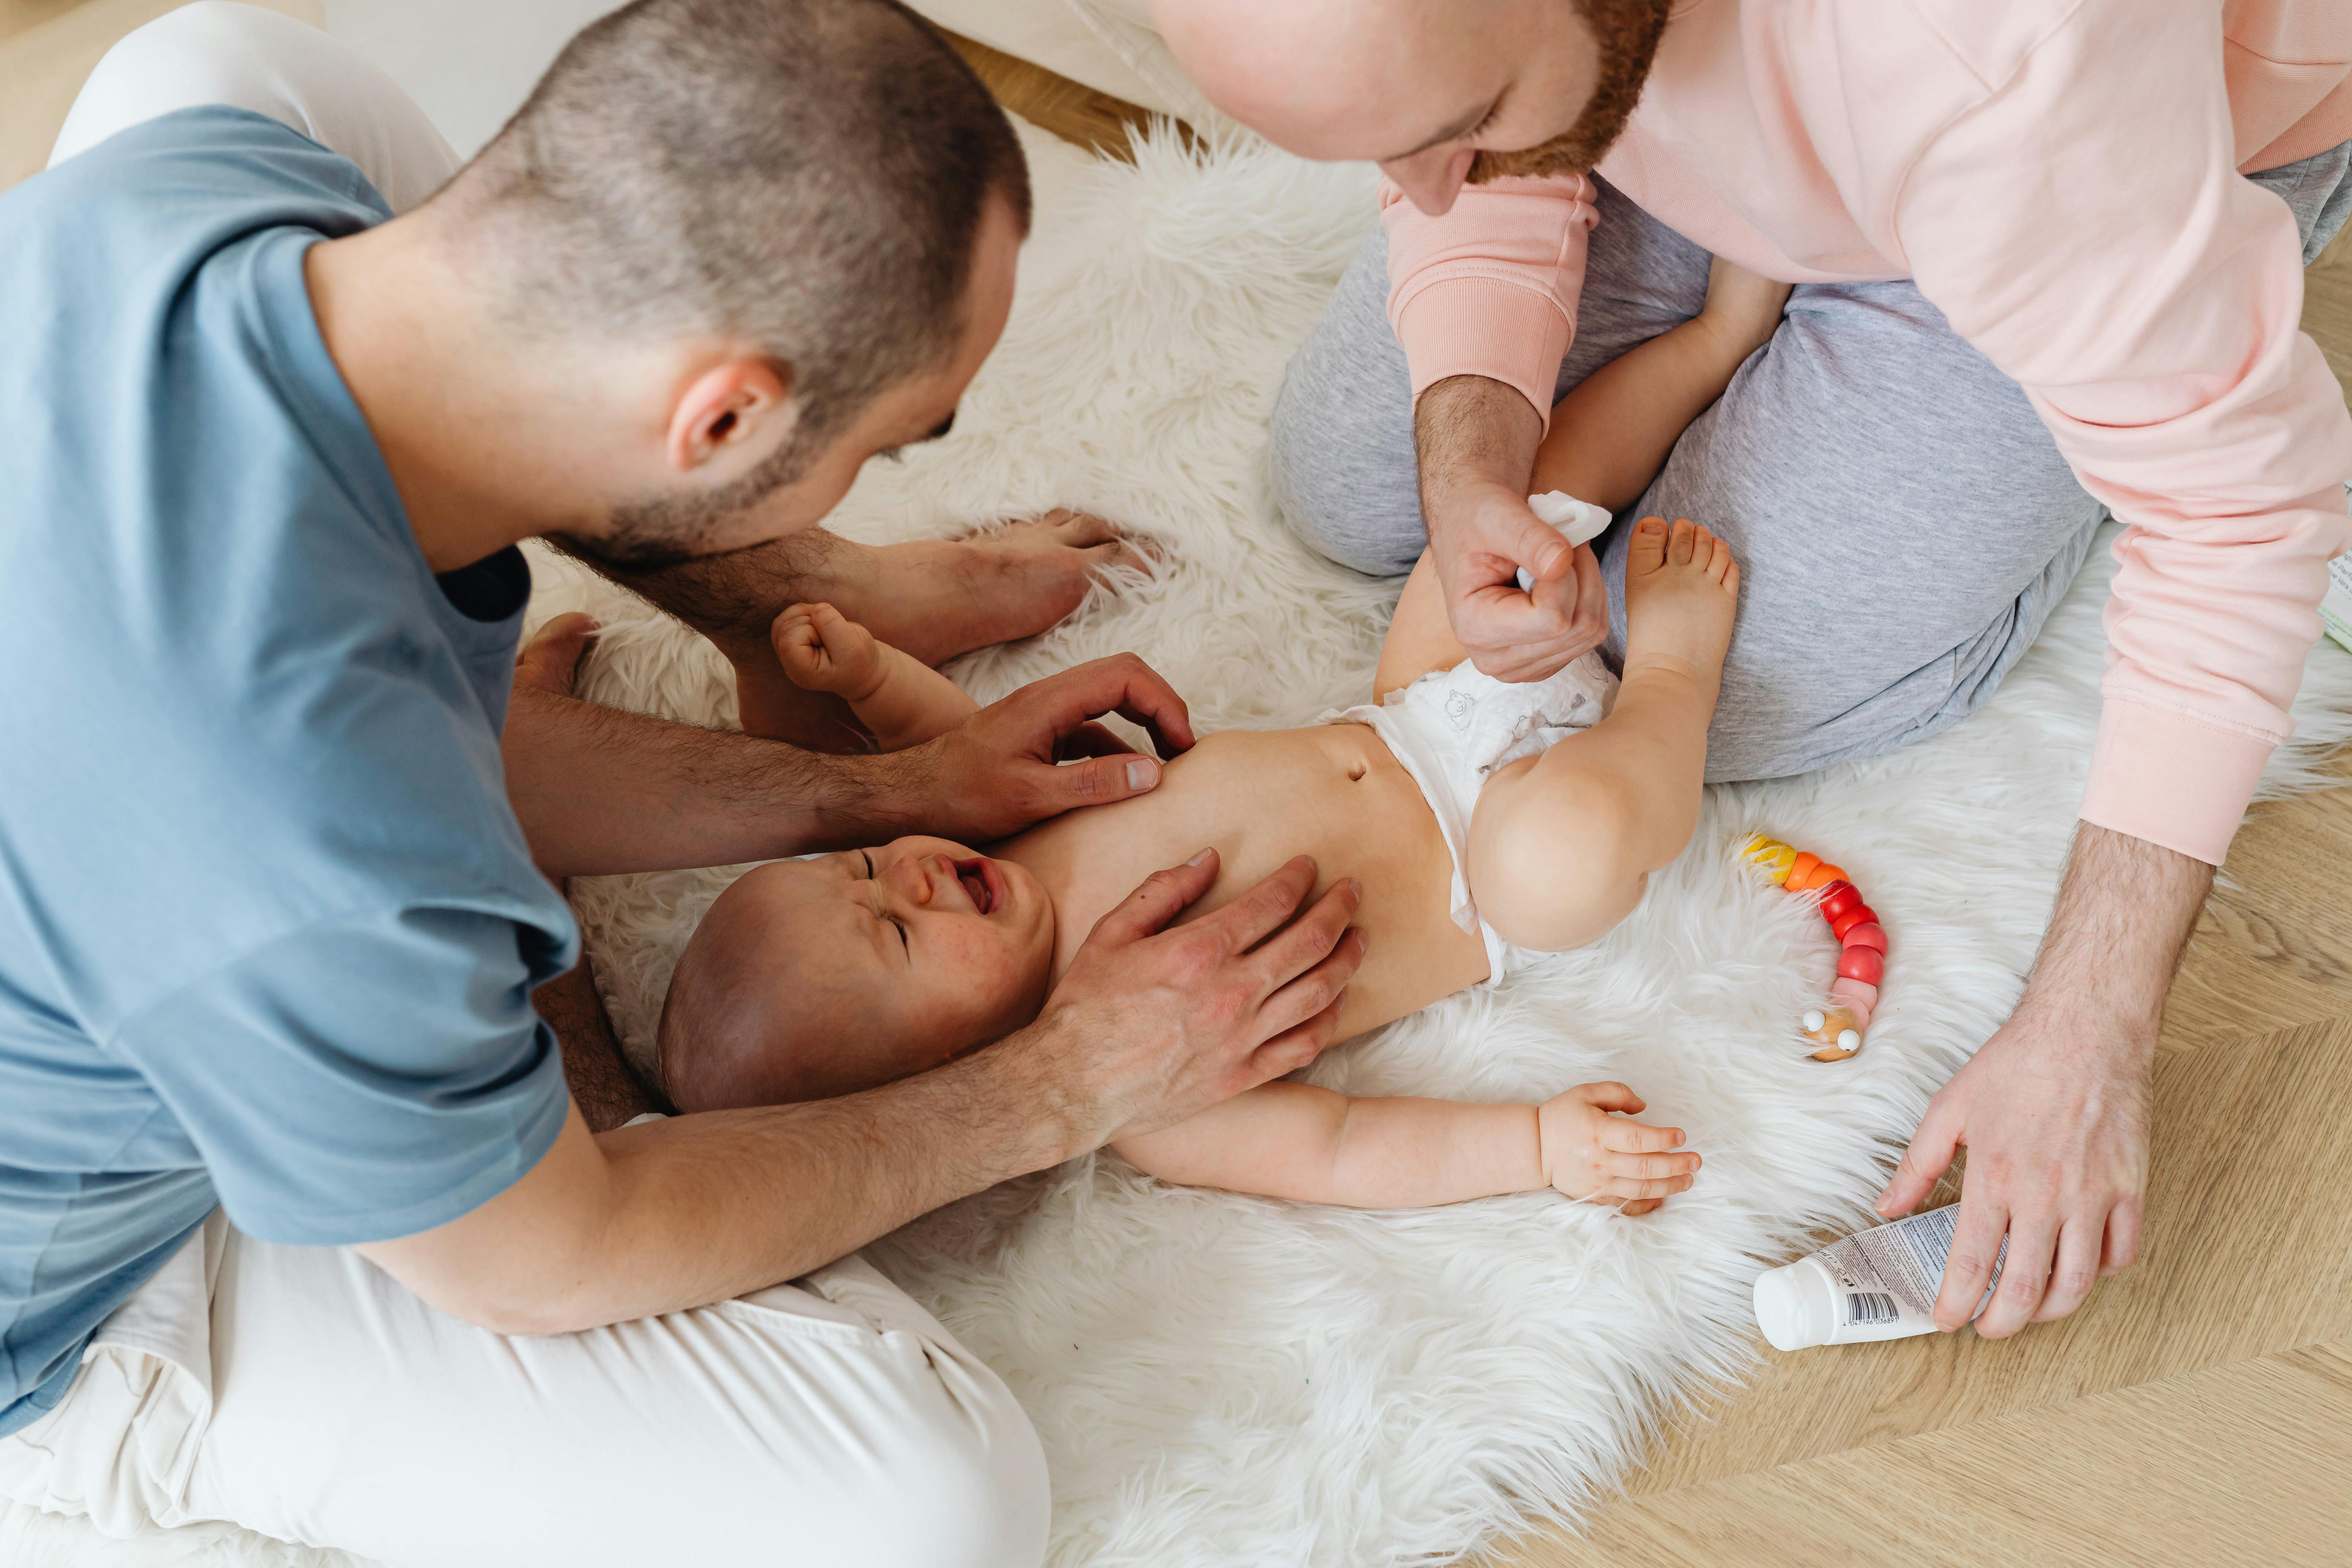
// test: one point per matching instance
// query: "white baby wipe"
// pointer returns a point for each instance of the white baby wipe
(1876, 1284)
(1578, 523)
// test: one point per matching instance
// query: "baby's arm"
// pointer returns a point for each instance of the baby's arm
(903, 700)
(1288, 1140)
(1611, 434)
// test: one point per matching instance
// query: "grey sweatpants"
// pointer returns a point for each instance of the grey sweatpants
(1903, 520)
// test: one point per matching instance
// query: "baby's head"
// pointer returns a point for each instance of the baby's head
(811, 979)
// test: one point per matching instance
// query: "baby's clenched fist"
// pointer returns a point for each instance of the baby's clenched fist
(1589, 1153)
(824, 650)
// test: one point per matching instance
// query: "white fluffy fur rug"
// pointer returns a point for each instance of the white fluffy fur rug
(1222, 1380)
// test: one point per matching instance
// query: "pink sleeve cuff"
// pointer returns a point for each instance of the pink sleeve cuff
(2171, 779)
(1489, 288)
(1502, 330)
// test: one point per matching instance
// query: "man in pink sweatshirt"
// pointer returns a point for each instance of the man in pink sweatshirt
(2049, 263)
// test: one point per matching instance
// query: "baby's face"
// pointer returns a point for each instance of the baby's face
(821, 977)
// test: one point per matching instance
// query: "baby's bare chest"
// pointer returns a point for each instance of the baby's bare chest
(1258, 798)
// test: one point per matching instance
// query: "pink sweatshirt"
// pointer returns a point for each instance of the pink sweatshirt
(2060, 180)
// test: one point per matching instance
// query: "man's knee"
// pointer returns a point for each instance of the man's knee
(1343, 471)
(975, 1496)
(933, 1483)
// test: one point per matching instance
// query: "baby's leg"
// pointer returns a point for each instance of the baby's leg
(1562, 844)
(1420, 637)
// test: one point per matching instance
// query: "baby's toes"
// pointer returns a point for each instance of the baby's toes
(1646, 552)
(1685, 542)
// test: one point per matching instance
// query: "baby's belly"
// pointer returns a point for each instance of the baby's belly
(1260, 797)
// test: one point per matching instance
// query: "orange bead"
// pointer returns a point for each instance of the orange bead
(1800, 871)
(1828, 874)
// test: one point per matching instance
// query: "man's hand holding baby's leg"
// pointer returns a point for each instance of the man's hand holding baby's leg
(1589, 1153)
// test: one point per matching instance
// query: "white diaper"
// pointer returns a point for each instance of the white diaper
(1452, 727)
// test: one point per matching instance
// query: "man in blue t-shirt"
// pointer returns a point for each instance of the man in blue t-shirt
(299, 1225)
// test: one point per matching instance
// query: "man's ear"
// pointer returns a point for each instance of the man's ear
(735, 406)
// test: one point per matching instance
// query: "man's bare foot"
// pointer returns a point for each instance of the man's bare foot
(933, 599)
(1681, 587)
(550, 661)
(938, 598)
(1743, 309)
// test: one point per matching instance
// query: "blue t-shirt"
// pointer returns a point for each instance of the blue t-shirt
(268, 926)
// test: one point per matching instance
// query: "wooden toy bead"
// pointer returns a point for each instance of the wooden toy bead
(1863, 964)
(1836, 1030)
(1852, 916)
(1864, 933)
(1818, 878)
(1849, 1041)
(1858, 997)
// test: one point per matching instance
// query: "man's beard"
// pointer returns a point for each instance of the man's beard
(1627, 32)
(653, 535)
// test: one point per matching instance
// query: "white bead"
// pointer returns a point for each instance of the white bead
(1848, 1040)
(1815, 1019)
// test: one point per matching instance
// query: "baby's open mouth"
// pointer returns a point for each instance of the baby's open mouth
(979, 880)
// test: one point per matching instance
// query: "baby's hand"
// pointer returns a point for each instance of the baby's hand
(824, 650)
(1589, 1153)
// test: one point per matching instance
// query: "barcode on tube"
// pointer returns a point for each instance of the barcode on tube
(1868, 1307)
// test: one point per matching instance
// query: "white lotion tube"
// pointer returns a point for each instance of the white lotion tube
(1578, 523)
(1876, 1284)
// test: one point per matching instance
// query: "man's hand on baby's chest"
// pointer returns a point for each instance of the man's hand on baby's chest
(1152, 1024)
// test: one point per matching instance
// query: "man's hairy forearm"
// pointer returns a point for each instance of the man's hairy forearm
(731, 597)
(704, 1207)
(1468, 430)
(2124, 913)
(601, 791)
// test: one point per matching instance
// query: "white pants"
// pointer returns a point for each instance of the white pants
(302, 1393)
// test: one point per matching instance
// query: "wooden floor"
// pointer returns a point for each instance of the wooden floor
(2198, 1411)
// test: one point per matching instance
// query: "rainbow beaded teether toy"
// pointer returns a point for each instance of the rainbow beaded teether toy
(1862, 944)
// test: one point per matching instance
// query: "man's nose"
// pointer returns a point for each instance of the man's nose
(1432, 179)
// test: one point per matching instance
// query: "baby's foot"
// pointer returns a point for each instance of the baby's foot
(1742, 307)
(1681, 588)
(550, 661)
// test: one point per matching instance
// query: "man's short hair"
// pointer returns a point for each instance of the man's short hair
(806, 175)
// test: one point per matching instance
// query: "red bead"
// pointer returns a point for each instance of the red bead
(1866, 964)
(1855, 915)
(1864, 933)
(1838, 898)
